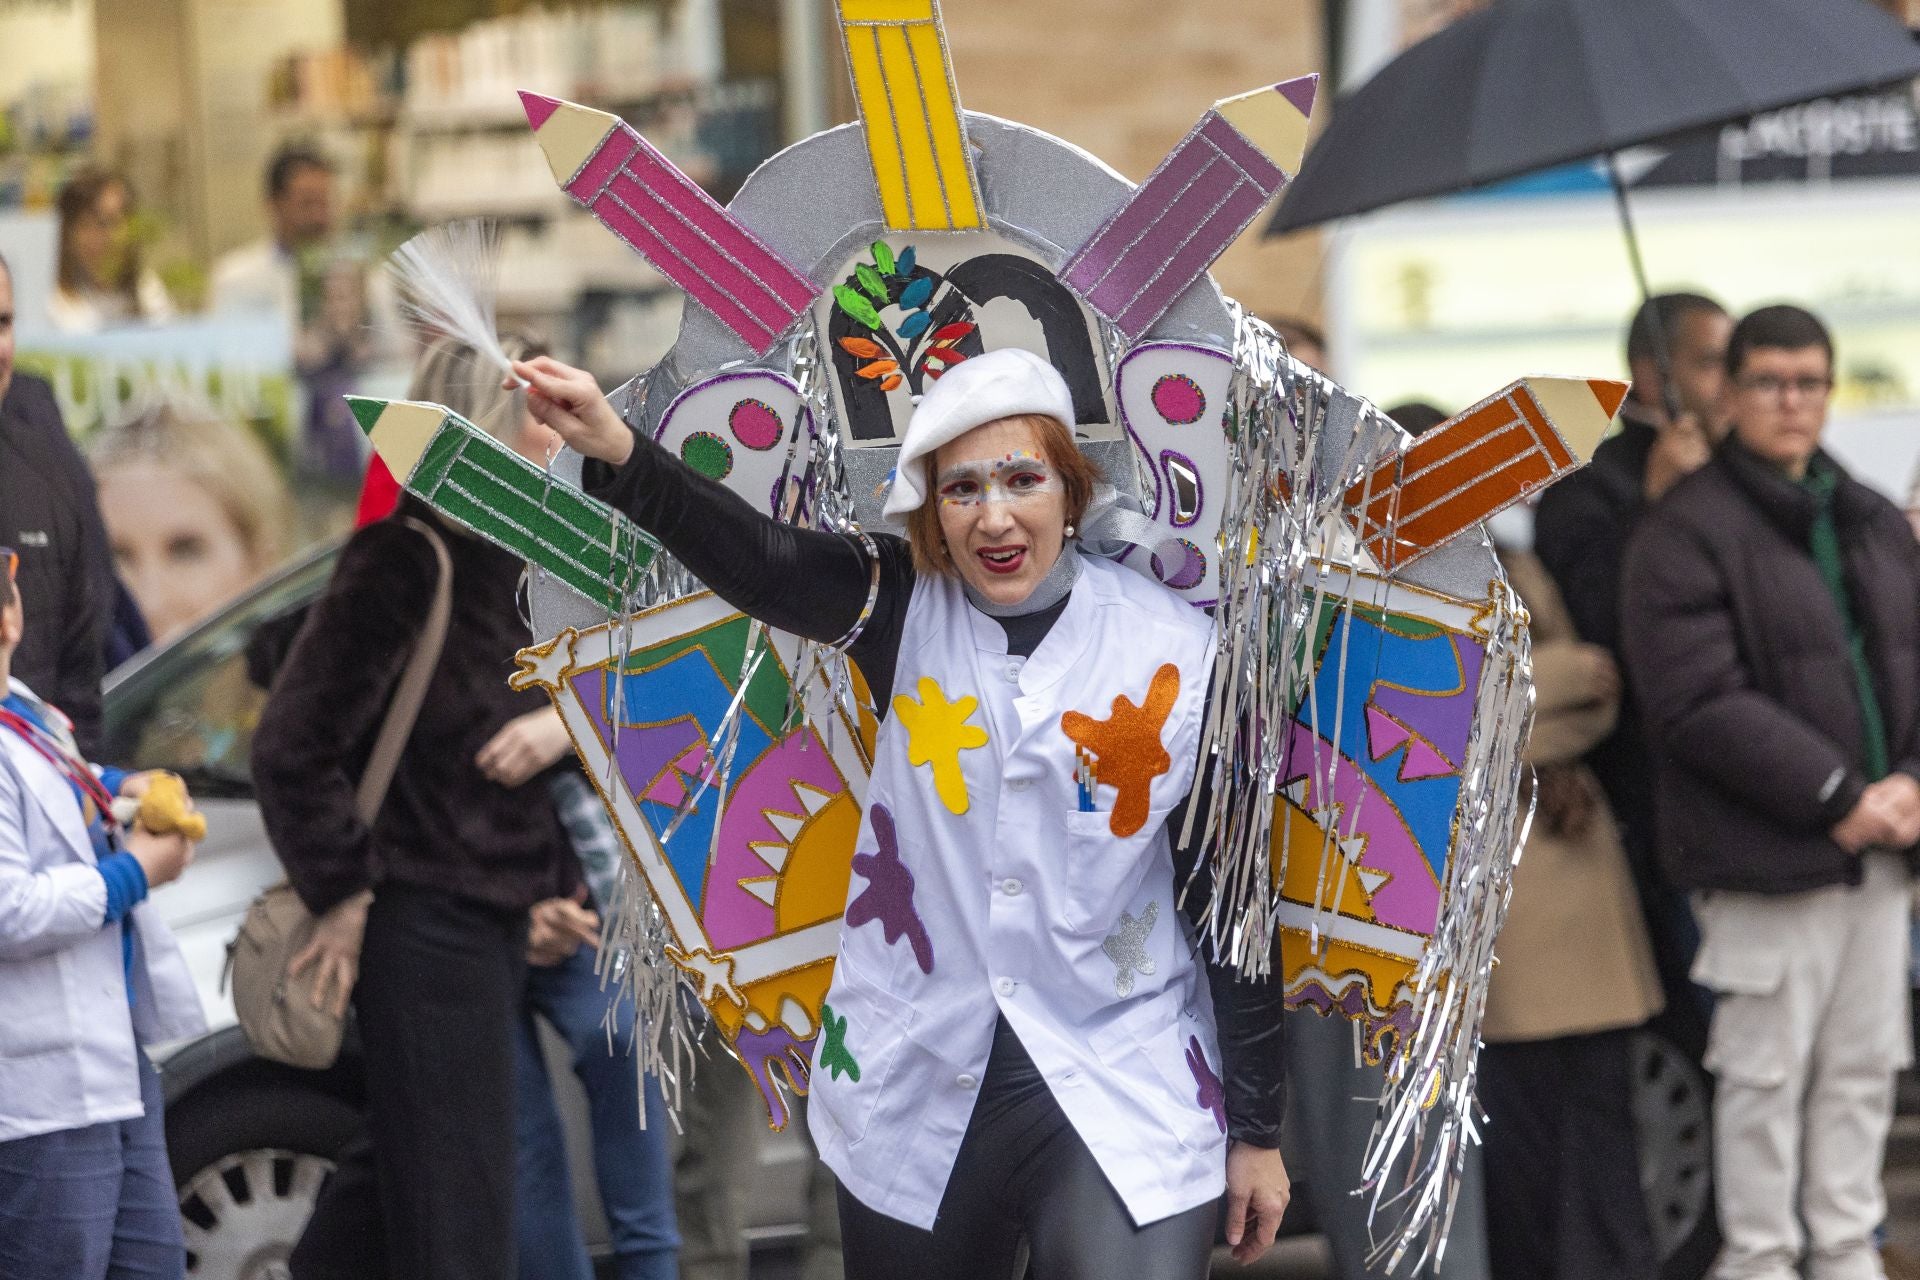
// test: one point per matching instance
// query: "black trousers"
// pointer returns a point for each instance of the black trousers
(427, 1192)
(1563, 1162)
(1023, 1172)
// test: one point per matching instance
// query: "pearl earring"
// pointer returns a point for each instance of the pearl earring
(1069, 530)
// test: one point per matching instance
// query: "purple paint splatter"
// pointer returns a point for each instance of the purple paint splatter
(763, 1053)
(1380, 1037)
(888, 896)
(1211, 1096)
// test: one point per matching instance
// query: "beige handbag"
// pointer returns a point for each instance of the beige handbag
(276, 1010)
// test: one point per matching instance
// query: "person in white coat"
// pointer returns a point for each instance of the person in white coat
(88, 975)
(1019, 1044)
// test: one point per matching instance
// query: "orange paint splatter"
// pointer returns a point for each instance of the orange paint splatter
(1128, 754)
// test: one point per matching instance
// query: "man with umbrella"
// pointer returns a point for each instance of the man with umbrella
(1581, 532)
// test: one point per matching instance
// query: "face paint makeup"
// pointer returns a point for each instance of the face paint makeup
(1017, 477)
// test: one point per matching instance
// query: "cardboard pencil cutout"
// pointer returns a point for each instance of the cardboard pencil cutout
(910, 109)
(1203, 195)
(664, 216)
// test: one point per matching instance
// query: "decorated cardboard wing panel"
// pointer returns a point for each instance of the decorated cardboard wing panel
(1173, 402)
(738, 809)
(1365, 830)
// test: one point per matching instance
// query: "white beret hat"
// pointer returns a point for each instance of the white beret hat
(983, 389)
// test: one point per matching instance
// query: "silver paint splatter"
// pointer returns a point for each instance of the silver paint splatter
(1126, 946)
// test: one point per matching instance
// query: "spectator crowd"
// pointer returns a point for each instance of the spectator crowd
(1726, 798)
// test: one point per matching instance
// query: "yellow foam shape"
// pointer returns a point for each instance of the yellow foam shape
(910, 110)
(937, 732)
(949, 139)
(402, 433)
(887, 11)
(569, 136)
(1575, 411)
(1265, 118)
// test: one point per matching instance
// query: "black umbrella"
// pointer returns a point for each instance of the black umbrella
(1529, 84)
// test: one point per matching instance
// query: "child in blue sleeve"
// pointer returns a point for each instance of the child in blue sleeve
(88, 975)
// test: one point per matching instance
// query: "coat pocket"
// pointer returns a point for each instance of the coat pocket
(863, 1029)
(1171, 1059)
(1750, 1041)
(1102, 872)
(34, 1015)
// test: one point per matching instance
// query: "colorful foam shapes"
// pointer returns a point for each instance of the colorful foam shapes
(1126, 747)
(910, 112)
(738, 428)
(1367, 821)
(1173, 403)
(938, 730)
(474, 480)
(751, 861)
(888, 897)
(1480, 462)
(640, 196)
(1194, 205)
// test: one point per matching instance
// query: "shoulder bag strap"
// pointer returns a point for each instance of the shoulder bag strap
(412, 690)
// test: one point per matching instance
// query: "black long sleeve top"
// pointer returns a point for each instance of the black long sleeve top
(444, 824)
(814, 584)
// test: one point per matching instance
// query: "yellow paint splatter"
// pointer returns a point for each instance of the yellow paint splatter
(937, 732)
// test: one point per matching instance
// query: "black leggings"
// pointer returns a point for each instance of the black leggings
(1022, 1171)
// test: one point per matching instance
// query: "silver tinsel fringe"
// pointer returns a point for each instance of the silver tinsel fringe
(1301, 444)
(636, 937)
(1427, 1110)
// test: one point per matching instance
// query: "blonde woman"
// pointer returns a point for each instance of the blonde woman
(196, 512)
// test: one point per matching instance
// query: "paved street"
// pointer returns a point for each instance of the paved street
(1306, 1259)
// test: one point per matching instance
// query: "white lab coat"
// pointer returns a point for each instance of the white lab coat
(1017, 895)
(67, 1035)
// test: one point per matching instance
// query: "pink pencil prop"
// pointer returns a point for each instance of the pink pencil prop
(640, 196)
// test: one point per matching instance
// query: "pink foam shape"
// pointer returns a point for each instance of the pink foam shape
(1384, 733)
(1410, 899)
(1422, 761)
(670, 788)
(732, 916)
(538, 106)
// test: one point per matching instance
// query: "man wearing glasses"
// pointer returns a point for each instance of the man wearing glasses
(1771, 610)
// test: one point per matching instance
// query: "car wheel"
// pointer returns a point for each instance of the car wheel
(248, 1165)
(1671, 1105)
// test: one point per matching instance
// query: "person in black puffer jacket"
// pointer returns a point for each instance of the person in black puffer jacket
(1771, 608)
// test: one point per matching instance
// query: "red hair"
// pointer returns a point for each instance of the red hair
(1077, 475)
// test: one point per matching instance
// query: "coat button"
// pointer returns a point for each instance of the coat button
(1019, 784)
(1013, 673)
(1011, 887)
(1004, 986)
(965, 1081)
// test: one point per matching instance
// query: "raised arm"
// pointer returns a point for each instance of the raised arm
(811, 583)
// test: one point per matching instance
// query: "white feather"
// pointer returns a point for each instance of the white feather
(448, 279)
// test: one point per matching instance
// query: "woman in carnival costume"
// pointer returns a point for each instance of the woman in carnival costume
(1017, 1042)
